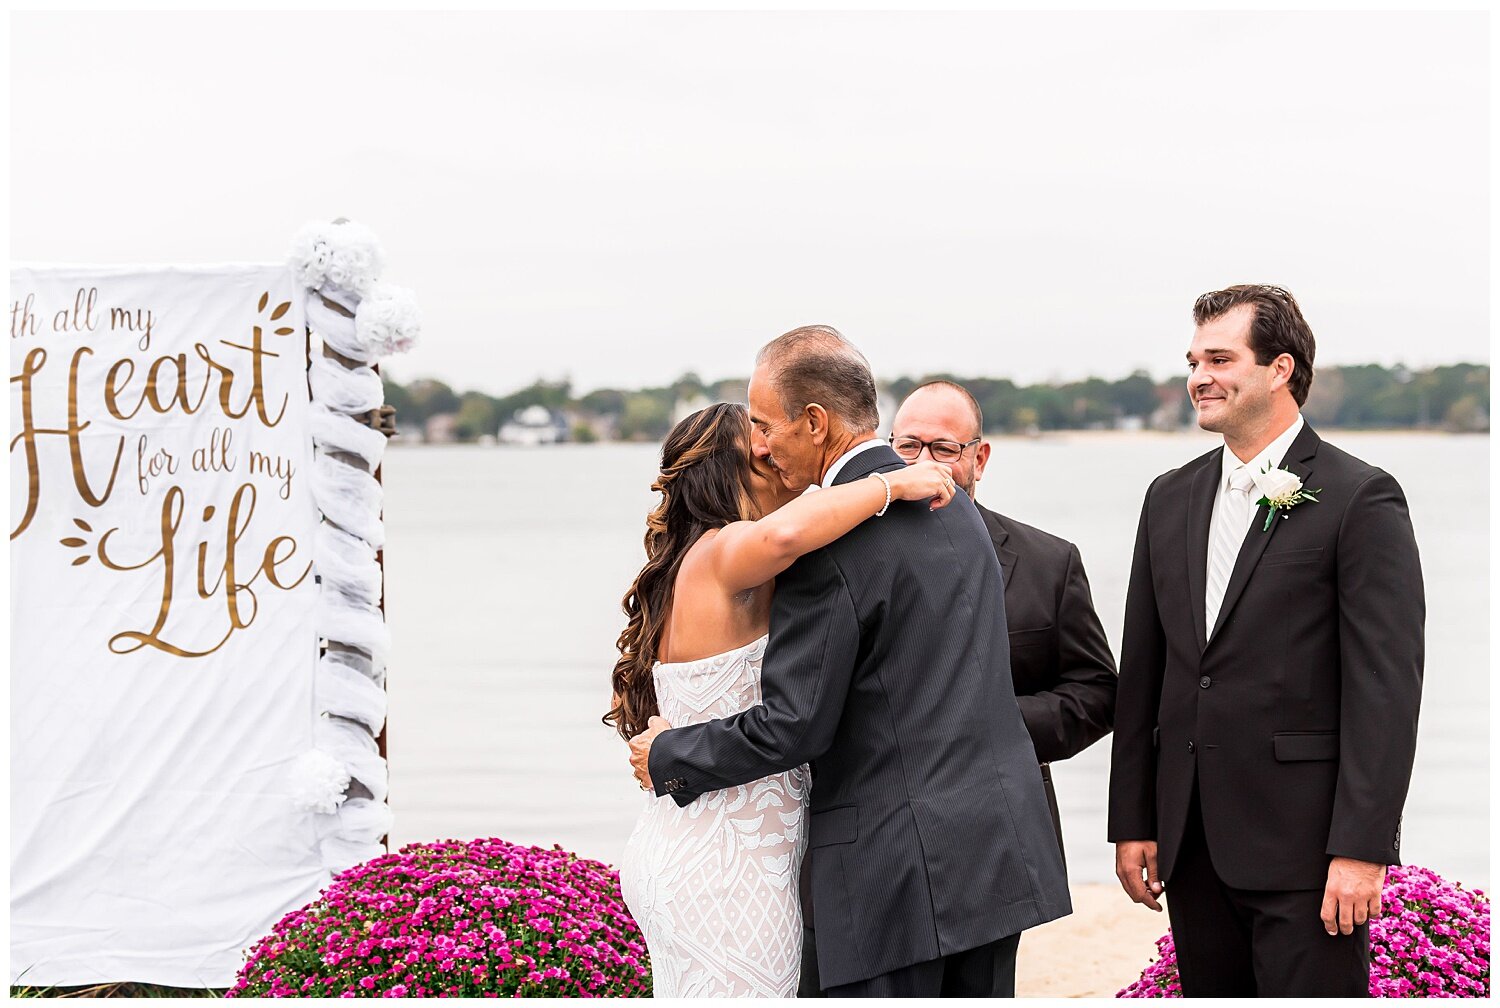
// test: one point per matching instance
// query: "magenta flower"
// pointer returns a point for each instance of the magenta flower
(1432, 939)
(454, 919)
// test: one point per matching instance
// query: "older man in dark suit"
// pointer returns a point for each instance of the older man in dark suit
(1060, 662)
(888, 665)
(1270, 676)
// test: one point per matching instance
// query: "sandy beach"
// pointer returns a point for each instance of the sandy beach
(1094, 952)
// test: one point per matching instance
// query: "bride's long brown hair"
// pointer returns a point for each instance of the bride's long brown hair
(705, 483)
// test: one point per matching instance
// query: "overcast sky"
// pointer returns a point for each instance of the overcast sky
(620, 198)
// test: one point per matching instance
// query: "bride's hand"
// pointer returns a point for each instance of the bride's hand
(921, 481)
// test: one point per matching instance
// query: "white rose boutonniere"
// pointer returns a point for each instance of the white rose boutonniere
(1280, 490)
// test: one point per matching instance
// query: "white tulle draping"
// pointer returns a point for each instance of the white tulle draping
(352, 437)
(357, 817)
(345, 390)
(348, 497)
(348, 693)
(339, 263)
(360, 626)
(354, 748)
(346, 564)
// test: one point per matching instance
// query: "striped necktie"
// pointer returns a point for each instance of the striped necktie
(1230, 524)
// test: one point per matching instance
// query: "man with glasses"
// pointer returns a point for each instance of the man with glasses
(1059, 657)
(1060, 661)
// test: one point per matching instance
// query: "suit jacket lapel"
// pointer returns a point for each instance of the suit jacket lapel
(880, 457)
(1007, 560)
(998, 534)
(1297, 458)
(1200, 511)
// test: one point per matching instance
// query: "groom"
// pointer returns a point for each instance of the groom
(889, 666)
(1271, 670)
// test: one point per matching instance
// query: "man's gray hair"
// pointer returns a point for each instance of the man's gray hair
(816, 364)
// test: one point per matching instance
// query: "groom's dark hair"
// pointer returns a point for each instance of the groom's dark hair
(1277, 328)
(816, 364)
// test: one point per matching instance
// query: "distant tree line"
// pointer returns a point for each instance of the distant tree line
(1453, 397)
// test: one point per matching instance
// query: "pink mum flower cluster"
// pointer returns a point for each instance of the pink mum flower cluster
(484, 918)
(1432, 939)
(1158, 980)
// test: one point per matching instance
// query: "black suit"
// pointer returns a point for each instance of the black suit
(1060, 664)
(1288, 736)
(888, 663)
(1060, 661)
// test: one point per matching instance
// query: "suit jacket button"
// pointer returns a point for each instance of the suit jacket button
(1191, 747)
(1205, 682)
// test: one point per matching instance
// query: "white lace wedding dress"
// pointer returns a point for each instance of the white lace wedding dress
(713, 884)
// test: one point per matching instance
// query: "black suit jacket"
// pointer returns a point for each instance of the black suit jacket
(888, 664)
(1298, 718)
(1060, 662)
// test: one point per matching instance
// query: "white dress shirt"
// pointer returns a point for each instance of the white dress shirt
(1270, 456)
(839, 462)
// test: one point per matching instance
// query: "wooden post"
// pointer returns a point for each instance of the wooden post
(374, 420)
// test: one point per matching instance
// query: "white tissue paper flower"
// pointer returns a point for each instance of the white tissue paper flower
(388, 320)
(344, 255)
(319, 781)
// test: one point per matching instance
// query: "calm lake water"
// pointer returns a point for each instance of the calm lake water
(505, 568)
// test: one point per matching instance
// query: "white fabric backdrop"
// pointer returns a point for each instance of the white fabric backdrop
(155, 825)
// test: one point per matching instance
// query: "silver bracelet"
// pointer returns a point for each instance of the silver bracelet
(881, 477)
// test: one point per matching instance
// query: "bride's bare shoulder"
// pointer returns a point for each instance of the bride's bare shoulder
(703, 548)
(698, 561)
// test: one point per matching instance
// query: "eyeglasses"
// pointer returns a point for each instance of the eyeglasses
(942, 451)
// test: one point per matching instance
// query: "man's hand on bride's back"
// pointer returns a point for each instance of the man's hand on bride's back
(640, 750)
(921, 481)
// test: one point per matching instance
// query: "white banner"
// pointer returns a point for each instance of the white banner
(162, 613)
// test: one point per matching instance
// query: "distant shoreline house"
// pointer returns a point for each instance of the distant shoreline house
(534, 425)
(439, 429)
(586, 427)
(1168, 413)
(886, 406)
(687, 406)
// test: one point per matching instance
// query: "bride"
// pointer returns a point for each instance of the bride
(713, 884)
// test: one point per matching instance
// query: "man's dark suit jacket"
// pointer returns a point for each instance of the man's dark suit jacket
(888, 663)
(1299, 716)
(1060, 662)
